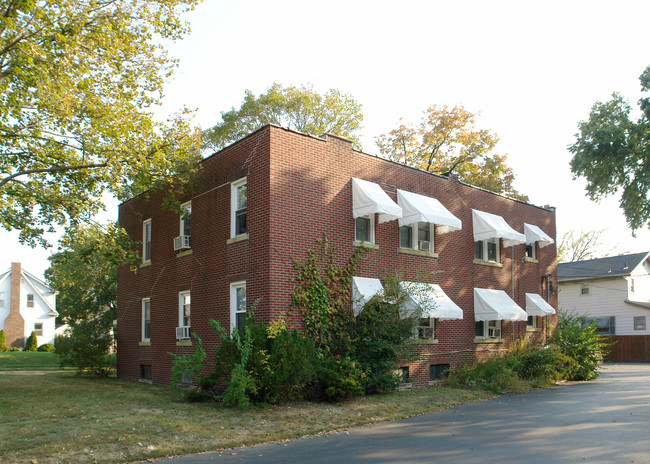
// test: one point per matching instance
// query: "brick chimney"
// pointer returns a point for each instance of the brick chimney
(14, 323)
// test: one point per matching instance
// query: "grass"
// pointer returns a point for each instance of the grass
(63, 417)
(28, 360)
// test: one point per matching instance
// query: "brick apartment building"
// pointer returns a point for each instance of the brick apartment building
(271, 195)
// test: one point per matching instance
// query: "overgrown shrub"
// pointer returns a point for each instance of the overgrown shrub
(3, 340)
(583, 347)
(85, 346)
(46, 347)
(32, 342)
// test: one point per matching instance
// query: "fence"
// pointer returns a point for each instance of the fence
(629, 348)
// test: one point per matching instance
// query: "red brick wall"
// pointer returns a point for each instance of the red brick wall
(299, 187)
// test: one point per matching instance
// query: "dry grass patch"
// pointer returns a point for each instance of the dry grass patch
(67, 418)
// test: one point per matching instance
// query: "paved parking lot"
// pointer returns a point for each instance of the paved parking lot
(602, 421)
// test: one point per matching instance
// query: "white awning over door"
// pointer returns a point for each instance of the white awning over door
(420, 208)
(537, 306)
(363, 289)
(535, 234)
(496, 305)
(370, 198)
(432, 299)
(487, 225)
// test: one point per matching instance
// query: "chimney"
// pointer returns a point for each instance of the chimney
(14, 323)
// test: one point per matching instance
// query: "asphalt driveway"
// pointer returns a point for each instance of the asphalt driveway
(602, 421)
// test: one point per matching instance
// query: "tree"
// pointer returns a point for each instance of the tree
(612, 152)
(32, 342)
(84, 273)
(298, 108)
(446, 141)
(78, 80)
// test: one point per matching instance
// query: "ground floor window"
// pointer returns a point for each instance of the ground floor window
(38, 329)
(145, 371)
(488, 329)
(605, 325)
(426, 328)
(403, 372)
(639, 323)
(438, 371)
(237, 306)
(532, 321)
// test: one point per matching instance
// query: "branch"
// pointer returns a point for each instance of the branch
(52, 170)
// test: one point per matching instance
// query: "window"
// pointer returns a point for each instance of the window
(38, 328)
(146, 319)
(2, 299)
(184, 308)
(631, 285)
(639, 323)
(585, 289)
(364, 229)
(403, 373)
(530, 250)
(604, 325)
(30, 300)
(426, 328)
(417, 236)
(488, 329)
(532, 321)
(237, 306)
(146, 241)
(186, 219)
(145, 372)
(239, 202)
(487, 250)
(438, 371)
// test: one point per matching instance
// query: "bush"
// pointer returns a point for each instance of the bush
(15, 348)
(32, 342)
(47, 347)
(3, 340)
(85, 346)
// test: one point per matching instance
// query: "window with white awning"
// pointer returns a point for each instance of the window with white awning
(369, 198)
(363, 289)
(491, 226)
(433, 301)
(535, 235)
(496, 305)
(419, 208)
(537, 306)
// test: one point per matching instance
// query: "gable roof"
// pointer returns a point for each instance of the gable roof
(601, 268)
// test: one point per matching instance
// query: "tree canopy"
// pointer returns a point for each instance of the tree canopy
(447, 141)
(78, 80)
(612, 152)
(298, 108)
(579, 246)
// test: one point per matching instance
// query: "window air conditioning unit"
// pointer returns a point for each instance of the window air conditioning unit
(182, 333)
(494, 333)
(182, 242)
(424, 245)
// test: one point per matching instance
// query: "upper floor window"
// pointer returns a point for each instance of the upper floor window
(146, 319)
(30, 300)
(585, 289)
(146, 241)
(418, 236)
(639, 322)
(237, 306)
(239, 204)
(487, 250)
(364, 229)
(532, 321)
(530, 250)
(184, 308)
(186, 218)
(631, 285)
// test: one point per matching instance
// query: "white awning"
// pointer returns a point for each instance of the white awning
(535, 234)
(363, 289)
(496, 305)
(419, 208)
(536, 306)
(369, 198)
(433, 301)
(488, 225)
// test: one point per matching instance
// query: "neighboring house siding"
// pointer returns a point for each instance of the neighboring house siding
(299, 188)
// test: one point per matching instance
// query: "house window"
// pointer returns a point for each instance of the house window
(488, 329)
(403, 373)
(585, 289)
(146, 241)
(30, 300)
(438, 371)
(418, 237)
(145, 371)
(532, 321)
(639, 323)
(184, 309)
(38, 328)
(426, 328)
(487, 250)
(530, 250)
(364, 229)
(186, 219)
(631, 285)
(604, 325)
(146, 319)
(2, 299)
(239, 204)
(237, 306)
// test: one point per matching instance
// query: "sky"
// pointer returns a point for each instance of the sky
(532, 70)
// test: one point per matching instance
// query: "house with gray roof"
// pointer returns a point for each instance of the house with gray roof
(615, 290)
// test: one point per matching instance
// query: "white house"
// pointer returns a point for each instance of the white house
(615, 290)
(26, 304)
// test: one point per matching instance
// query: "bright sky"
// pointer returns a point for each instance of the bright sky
(532, 70)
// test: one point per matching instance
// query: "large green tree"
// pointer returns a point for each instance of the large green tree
(447, 141)
(78, 81)
(298, 108)
(612, 152)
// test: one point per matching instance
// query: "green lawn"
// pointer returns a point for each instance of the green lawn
(63, 417)
(28, 360)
